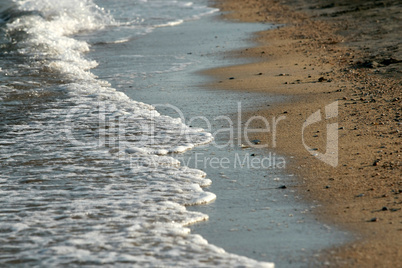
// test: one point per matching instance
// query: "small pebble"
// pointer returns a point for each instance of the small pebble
(282, 187)
(376, 162)
(373, 219)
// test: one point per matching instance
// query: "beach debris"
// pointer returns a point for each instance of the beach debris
(360, 195)
(375, 219)
(282, 187)
(376, 162)
(231, 78)
(322, 79)
(260, 74)
(256, 141)
(384, 209)
(283, 74)
(327, 187)
(390, 61)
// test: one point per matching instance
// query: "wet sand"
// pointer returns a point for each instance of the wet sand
(321, 53)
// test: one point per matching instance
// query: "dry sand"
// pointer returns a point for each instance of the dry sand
(323, 52)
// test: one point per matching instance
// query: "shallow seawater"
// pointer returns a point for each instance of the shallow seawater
(250, 215)
(91, 172)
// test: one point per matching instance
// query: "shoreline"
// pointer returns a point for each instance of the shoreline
(310, 61)
(250, 216)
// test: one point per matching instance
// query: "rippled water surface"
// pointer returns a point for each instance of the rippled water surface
(86, 172)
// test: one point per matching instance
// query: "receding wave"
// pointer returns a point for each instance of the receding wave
(86, 175)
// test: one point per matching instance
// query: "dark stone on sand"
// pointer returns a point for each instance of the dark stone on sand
(231, 78)
(282, 187)
(390, 61)
(367, 64)
(373, 219)
(256, 141)
(384, 209)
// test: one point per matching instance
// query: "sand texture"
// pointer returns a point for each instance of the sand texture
(319, 53)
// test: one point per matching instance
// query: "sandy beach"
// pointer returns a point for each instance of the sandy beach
(325, 56)
(121, 133)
